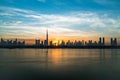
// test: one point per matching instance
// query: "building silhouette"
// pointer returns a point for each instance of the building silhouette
(46, 41)
(37, 42)
(62, 43)
(101, 41)
(114, 42)
(51, 44)
(11, 43)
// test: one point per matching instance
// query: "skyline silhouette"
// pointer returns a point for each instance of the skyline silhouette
(101, 43)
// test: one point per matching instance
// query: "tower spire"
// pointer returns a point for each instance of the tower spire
(47, 36)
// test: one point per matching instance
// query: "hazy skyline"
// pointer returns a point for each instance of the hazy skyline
(63, 18)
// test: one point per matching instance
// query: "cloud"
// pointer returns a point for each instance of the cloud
(14, 11)
(35, 32)
(5, 14)
(69, 24)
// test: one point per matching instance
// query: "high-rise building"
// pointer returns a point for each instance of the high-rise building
(63, 43)
(51, 43)
(42, 43)
(47, 38)
(37, 42)
(103, 41)
(111, 40)
(46, 41)
(100, 40)
(114, 42)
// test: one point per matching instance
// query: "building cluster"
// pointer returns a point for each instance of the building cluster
(11, 42)
(101, 42)
(76, 43)
(46, 43)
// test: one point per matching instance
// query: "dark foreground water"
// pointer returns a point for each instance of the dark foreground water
(59, 64)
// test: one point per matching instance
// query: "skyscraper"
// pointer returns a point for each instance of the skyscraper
(37, 42)
(47, 37)
(114, 42)
(46, 41)
(100, 41)
(111, 40)
(103, 41)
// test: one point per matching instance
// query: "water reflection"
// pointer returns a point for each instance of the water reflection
(65, 64)
(58, 56)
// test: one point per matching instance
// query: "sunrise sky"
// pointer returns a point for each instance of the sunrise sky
(65, 19)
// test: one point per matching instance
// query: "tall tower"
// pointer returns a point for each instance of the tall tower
(103, 41)
(47, 37)
(111, 40)
(115, 41)
(100, 41)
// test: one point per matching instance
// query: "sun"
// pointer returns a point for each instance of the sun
(56, 42)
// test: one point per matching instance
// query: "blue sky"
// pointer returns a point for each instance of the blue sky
(63, 18)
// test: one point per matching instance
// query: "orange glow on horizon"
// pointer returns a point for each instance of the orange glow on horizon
(58, 39)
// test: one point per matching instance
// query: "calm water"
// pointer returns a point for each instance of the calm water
(59, 64)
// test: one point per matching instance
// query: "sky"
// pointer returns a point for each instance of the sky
(71, 19)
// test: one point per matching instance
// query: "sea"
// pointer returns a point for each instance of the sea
(59, 64)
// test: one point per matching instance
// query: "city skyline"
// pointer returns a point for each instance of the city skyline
(47, 40)
(65, 19)
(61, 43)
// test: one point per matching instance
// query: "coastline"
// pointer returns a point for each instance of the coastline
(62, 47)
